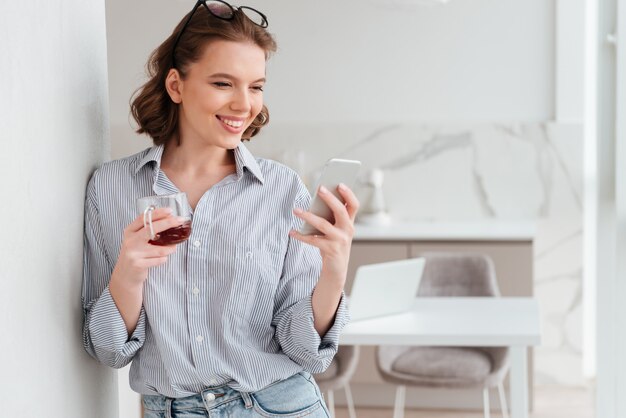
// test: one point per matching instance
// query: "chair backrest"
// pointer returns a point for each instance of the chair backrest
(458, 274)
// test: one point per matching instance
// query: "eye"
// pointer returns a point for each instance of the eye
(257, 88)
(221, 84)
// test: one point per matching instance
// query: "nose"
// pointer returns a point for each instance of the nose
(241, 100)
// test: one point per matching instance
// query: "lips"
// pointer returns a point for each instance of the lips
(233, 122)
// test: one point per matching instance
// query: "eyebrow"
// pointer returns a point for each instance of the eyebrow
(230, 77)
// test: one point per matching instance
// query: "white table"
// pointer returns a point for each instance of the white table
(495, 322)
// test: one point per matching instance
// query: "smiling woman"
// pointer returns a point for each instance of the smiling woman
(153, 109)
(235, 319)
(221, 94)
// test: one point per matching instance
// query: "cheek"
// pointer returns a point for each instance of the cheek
(257, 105)
(207, 100)
(212, 102)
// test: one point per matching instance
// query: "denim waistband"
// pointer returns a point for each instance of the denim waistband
(208, 398)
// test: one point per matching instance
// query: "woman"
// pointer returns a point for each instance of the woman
(235, 319)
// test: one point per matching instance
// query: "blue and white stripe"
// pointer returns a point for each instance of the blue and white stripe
(232, 305)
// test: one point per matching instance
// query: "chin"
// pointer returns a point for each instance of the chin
(232, 142)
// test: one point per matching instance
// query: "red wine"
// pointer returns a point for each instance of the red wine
(173, 235)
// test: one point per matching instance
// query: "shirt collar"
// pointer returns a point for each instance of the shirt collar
(154, 154)
(243, 159)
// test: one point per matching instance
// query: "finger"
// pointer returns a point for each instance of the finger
(144, 250)
(352, 203)
(319, 223)
(336, 206)
(151, 262)
(157, 251)
(314, 240)
(167, 223)
(158, 213)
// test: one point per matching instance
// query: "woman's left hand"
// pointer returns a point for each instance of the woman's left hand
(336, 242)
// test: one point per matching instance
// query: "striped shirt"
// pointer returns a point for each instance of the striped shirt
(231, 306)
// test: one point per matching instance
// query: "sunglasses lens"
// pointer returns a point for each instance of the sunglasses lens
(220, 9)
(254, 16)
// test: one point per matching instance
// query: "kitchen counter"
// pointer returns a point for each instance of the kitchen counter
(448, 231)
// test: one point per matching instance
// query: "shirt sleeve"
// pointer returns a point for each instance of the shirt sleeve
(293, 317)
(104, 332)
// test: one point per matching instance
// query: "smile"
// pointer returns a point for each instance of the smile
(234, 123)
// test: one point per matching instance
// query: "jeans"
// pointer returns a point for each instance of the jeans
(297, 396)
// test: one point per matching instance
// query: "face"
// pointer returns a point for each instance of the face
(221, 95)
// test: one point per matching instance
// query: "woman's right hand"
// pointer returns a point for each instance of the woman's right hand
(137, 255)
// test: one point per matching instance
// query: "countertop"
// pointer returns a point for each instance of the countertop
(448, 231)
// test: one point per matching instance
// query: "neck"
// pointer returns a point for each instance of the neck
(195, 159)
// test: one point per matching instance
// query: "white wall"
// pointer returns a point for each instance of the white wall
(570, 63)
(369, 61)
(54, 130)
(605, 195)
(379, 61)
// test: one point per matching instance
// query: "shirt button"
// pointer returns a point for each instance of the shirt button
(209, 397)
(196, 291)
(197, 243)
(199, 338)
(249, 254)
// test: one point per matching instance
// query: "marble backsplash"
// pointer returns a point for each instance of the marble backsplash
(451, 172)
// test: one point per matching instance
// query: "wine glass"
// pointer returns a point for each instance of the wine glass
(177, 202)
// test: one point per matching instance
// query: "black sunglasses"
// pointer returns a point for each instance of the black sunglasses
(224, 11)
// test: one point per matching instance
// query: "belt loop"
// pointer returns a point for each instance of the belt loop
(168, 407)
(247, 399)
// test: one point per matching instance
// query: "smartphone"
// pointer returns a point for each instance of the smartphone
(335, 171)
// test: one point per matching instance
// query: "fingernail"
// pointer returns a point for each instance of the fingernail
(323, 189)
(292, 233)
(169, 211)
(181, 219)
(298, 211)
(342, 187)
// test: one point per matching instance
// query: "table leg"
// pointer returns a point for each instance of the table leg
(519, 382)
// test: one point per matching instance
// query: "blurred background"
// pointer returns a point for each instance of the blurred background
(472, 109)
(495, 119)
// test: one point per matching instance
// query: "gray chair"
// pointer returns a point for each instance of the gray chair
(449, 274)
(338, 376)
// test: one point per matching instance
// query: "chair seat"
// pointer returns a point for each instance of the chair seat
(442, 366)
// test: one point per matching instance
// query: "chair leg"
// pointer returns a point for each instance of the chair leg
(486, 402)
(331, 403)
(351, 411)
(398, 410)
(503, 404)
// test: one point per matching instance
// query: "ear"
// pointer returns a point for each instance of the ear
(173, 85)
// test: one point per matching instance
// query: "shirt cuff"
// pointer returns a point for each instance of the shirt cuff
(306, 336)
(108, 333)
(342, 317)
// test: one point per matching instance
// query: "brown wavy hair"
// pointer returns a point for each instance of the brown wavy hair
(151, 105)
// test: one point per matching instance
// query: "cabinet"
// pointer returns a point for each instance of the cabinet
(509, 245)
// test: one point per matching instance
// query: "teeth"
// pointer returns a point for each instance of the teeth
(233, 123)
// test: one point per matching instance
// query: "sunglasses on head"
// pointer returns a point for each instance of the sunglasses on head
(224, 11)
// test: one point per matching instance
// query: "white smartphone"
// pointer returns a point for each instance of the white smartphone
(335, 171)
